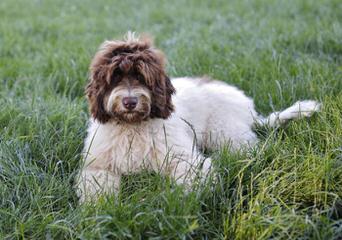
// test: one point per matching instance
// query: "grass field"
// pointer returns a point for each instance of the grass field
(278, 52)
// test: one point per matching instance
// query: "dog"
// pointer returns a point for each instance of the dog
(141, 119)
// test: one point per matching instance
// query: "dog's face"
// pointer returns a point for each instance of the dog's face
(128, 83)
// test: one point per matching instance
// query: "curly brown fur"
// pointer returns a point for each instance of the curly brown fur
(130, 64)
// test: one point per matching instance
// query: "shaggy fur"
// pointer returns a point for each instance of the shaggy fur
(140, 122)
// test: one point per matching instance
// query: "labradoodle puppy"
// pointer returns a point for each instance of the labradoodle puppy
(141, 119)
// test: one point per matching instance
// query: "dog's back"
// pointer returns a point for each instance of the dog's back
(219, 113)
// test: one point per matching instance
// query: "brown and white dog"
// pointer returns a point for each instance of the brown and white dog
(140, 119)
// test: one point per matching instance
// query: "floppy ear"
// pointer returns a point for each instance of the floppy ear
(95, 94)
(162, 91)
(96, 88)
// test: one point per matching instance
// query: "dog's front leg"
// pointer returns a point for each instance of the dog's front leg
(93, 182)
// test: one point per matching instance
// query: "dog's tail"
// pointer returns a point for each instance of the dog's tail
(298, 110)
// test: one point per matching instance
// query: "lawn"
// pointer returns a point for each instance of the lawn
(278, 52)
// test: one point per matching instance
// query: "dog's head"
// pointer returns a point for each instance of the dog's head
(128, 82)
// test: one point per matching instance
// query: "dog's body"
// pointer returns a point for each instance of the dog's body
(167, 138)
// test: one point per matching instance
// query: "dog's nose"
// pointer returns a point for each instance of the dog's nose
(130, 102)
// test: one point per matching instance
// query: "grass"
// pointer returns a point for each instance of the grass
(289, 187)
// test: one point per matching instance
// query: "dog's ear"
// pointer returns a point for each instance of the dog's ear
(100, 74)
(162, 91)
(162, 105)
(95, 94)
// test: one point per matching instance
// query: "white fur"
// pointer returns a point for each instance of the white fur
(207, 115)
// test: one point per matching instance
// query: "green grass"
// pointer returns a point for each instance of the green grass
(289, 187)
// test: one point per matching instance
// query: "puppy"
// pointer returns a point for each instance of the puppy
(140, 119)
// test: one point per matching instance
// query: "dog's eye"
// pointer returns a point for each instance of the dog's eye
(116, 76)
(117, 72)
(141, 78)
